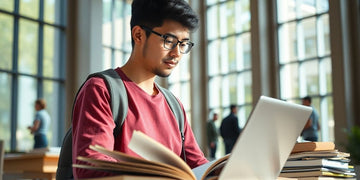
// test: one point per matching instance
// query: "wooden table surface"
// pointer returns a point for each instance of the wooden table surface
(32, 165)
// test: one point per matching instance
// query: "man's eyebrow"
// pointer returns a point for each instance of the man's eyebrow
(172, 35)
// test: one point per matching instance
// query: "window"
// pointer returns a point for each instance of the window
(32, 66)
(304, 57)
(116, 38)
(229, 57)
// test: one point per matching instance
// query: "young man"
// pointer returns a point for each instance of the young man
(160, 31)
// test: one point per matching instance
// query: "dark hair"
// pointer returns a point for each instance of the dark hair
(152, 13)
(307, 98)
(232, 106)
(41, 103)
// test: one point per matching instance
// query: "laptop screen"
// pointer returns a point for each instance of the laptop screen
(266, 140)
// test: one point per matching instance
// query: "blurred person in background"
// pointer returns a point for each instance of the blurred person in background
(40, 124)
(310, 131)
(212, 135)
(230, 129)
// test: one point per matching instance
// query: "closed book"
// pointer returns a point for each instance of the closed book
(303, 169)
(317, 163)
(309, 172)
(319, 154)
(313, 146)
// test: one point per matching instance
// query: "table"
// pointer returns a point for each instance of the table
(31, 165)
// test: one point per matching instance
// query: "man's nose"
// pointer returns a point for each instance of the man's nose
(176, 51)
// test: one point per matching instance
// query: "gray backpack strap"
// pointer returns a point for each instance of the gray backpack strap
(119, 107)
(64, 169)
(118, 95)
(176, 109)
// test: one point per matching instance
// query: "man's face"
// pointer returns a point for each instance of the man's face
(306, 102)
(215, 117)
(157, 59)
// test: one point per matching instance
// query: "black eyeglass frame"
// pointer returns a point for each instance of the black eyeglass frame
(164, 36)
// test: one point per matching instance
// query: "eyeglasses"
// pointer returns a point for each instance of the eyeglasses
(170, 41)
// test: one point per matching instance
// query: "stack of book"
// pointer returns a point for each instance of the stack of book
(318, 160)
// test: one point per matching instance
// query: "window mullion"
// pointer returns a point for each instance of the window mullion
(40, 58)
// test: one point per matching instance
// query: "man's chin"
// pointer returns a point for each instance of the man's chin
(163, 74)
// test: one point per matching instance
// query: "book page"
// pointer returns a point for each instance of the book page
(130, 168)
(210, 169)
(152, 150)
(138, 162)
(130, 177)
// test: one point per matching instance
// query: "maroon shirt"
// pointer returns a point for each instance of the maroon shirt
(93, 124)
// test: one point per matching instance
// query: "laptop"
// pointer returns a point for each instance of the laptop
(266, 140)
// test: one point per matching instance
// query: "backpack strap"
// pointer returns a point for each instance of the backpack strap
(116, 88)
(178, 113)
(118, 96)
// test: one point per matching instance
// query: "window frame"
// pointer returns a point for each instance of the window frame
(39, 77)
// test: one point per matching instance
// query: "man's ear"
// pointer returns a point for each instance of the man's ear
(137, 34)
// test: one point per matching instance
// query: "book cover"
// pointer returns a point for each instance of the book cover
(313, 146)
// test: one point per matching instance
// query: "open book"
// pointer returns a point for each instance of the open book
(158, 161)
